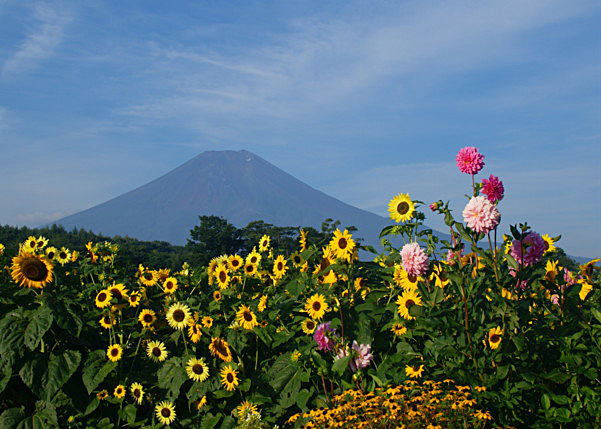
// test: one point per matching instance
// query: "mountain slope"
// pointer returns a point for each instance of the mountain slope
(239, 186)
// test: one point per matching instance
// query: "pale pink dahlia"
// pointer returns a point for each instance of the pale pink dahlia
(363, 357)
(415, 260)
(528, 251)
(493, 188)
(321, 336)
(481, 215)
(469, 161)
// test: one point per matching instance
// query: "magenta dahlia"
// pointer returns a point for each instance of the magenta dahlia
(481, 215)
(321, 336)
(493, 188)
(415, 260)
(529, 250)
(469, 161)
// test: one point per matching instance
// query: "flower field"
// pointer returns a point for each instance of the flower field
(487, 329)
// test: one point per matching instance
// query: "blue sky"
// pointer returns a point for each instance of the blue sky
(361, 100)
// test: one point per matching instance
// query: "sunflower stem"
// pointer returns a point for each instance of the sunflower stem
(494, 265)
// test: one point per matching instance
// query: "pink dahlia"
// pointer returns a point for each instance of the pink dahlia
(323, 342)
(481, 215)
(529, 250)
(493, 188)
(363, 357)
(415, 260)
(469, 161)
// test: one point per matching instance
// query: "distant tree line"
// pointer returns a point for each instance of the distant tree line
(213, 236)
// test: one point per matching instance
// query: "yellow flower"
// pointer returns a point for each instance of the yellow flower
(308, 326)
(217, 295)
(156, 351)
(103, 298)
(246, 317)
(279, 267)
(119, 391)
(170, 285)
(549, 243)
(107, 321)
(197, 369)
(63, 256)
(134, 299)
(223, 278)
(438, 275)
(207, 321)
(114, 352)
(2, 249)
(316, 306)
(343, 245)
(262, 304)
(31, 270)
(165, 412)
(494, 337)
(178, 315)
(414, 371)
(202, 402)
(295, 355)
(149, 278)
(250, 269)
(195, 332)
(264, 243)
(253, 258)
(398, 329)
(118, 291)
(147, 318)
(303, 240)
(585, 290)
(406, 301)
(246, 408)
(234, 262)
(220, 348)
(401, 208)
(137, 392)
(587, 269)
(229, 377)
(404, 280)
(102, 395)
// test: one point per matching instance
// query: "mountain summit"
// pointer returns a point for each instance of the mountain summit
(238, 186)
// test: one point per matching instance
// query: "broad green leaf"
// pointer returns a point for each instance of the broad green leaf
(128, 413)
(46, 377)
(545, 401)
(11, 418)
(39, 323)
(209, 421)
(341, 364)
(171, 376)
(95, 369)
(302, 397)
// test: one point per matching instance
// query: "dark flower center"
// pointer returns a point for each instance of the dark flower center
(317, 306)
(342, 243)
(102, 296)
(230, 378)
(137, 393)
(235, 263)
(402, 208)
(220, 348)
(148, 276)
(280, 266)
(198, 369)
(253, 260)
(222, 276)
(166, 412)
(34, 269)
(247, 316)
(156, 351)
(116, 293)
(409, 303)
(62, 255)
(148, 318)
(114, 352)
(310, 325)
(494, 338)
(179, 315)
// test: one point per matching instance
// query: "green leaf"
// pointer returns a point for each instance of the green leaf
(171, 376)
(39, 323)
(341, 364)
(597, 314)
(45, 415)
(11, 418)
(46, 377)
(128, 413)
(95, 369)
(545, 401)
(209, 421)
(302, 397)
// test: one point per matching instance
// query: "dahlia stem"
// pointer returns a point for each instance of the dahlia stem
(494, 265)
(473, 186)
(323, 382)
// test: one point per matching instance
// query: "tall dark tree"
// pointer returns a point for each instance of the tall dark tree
(213, 237)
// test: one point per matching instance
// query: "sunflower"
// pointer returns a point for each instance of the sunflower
(207, 321)
(114, 352)
(134, 299)
(585, 289)
(359, 283)
(31, 270)
(406, 301)
(403, 279)
(438, 275)
(229, 377)
(549, 243)
(302, 238)
(118, 291)
(414, 371)
(74, 255)
(296, 259)
(342, 245)
(165, 412)
(178, 316)
(401, 208)
(250, 269)
(308, 326)
(102, 395)
(91, 249)
(107, 321)
(156, 351)
(398, 329)
(220, 348)
(264, 243)
(589, 268)
(2, 249)
(197, 369)
(202, 402)
(217, 295)
(279, 267)
(63, 256)
(103, 298)
(494, 337)
(246, 318)
(170, 285)
(246, 408)
(147, 318)
(119, 391)
(234, 262)
(316, 306)
(222, 277)
(148, 278)
(262, 304)
(137, 392)
(51, 252)
(195, 332)
(31, 242)
(253, 258)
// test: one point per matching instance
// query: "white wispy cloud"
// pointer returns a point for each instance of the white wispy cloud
(42, 41)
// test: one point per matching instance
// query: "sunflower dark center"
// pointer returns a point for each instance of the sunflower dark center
(169, 285)
(297, 259)
(412, 278)
(107, 320)
(148, 276)
(280, 266)
(116, 293)
(32, 244)
(114, 352)
(220, 348)
(402, 208)
(409, 303)
(342, 243)
(317, 306)
(102, 296)
(235, 263)
(137, 393)
(34, 269)
(148, 318)
(156, 351)
(494, 338)
(222, 276)
(247, 316)
(179, 315)
(62, 255)
(165, 412)
(310, 325)
(253, 260)
(198, 369)
(230, 378)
